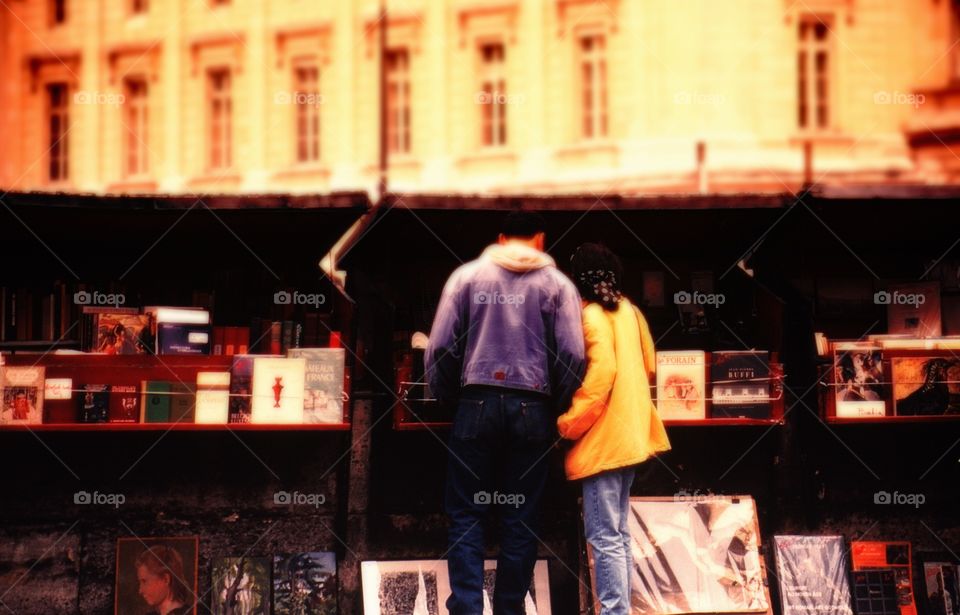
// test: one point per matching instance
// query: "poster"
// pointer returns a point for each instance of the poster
(699, 556)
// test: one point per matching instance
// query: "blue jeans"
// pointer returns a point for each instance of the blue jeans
(606, 512)
(498, 459)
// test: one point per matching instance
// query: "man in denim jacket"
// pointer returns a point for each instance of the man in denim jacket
(507, 351)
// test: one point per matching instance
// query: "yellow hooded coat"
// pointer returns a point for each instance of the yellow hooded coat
(612, 416)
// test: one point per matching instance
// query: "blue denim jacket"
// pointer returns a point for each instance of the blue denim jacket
(509, 319)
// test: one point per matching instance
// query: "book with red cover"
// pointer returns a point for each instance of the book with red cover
(895, 556)
(124, 404)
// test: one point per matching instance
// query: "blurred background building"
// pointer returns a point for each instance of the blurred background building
(498, 96)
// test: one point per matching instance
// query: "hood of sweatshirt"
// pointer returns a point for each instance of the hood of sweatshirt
(516, 256)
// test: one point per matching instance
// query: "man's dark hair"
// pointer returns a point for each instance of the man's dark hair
(523, 224)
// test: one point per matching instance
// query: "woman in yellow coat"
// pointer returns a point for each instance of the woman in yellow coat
(612, 419)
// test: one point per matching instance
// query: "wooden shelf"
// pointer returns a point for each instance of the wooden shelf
(174, 427)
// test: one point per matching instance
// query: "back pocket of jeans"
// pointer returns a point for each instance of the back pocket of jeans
(536, 420)
(466, 423)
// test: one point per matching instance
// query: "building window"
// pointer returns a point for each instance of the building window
(398, 101)
(307, 105)
(139, 6)
(593, 86)
(58, 126)
(58, 11)
(814, 63)
(220, 120)
(135, 123)
(492, 99)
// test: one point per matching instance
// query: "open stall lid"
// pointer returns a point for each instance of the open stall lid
(64, 236)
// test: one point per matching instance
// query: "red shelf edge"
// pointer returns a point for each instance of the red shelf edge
(176, 427)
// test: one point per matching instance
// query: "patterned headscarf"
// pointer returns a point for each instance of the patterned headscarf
(603, 283)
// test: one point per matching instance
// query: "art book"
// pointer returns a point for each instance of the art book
(323, 388)
(94, 403)
(888, 556)
(278, 386)
(681, 384)
(169, 567)
(124, 404)
(740, 382)
(925, 386)
(213, 397)
(23, 389)
(860, 389)
(305, 584)
(241, 586)
(241, 388)
(155, 401)
(812, 571)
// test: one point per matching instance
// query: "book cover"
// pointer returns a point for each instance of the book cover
(860, 387)
(941, 587)
(924, 386)
(121, 333)
(323, 388)
(183, 338)
(94, 403)
(241, 585)
(305, 583)
(58, 403)
(155, 402)
(23, 389)
(169, 563)
(213, 397)
(241, 388)
(681, 384)
(278, 386)
(869, 555)
(740, 382)
(124, 404)
(695, 555)
(812, 571)
(183, 401)
(875, 592)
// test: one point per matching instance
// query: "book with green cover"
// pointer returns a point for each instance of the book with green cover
(155, 405)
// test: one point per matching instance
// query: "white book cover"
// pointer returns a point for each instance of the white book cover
(23, 389)
(323, 394)
(213, 398)
(278, 386)
(681, 384)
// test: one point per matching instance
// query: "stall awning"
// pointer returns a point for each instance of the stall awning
(56, 235)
